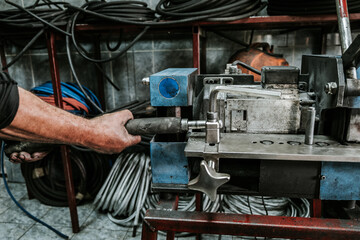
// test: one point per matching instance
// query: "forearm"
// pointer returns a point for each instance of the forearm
(38, 121)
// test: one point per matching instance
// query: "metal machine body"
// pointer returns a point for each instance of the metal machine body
(265, 139)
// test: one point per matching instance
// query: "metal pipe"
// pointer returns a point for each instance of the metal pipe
(239, 90)
(344, 30)
(310, 126)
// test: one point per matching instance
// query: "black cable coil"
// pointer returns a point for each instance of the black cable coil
(46, 182)
(209, 10)
(308, 7)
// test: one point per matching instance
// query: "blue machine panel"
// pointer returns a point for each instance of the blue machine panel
(341, 181)
(168, 163)
(172, 87)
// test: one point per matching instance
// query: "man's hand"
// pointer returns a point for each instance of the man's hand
(22, 157)
(112, 136)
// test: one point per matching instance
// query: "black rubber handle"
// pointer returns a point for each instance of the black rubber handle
(149, 126)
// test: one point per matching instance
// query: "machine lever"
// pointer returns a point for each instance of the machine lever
(208, 180)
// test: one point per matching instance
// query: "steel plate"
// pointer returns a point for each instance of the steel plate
(273, 147)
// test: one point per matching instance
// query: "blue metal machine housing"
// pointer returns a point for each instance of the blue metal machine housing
(172, 87)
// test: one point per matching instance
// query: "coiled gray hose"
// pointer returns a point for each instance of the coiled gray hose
(272, 206)
(125, 196)
(126, 189)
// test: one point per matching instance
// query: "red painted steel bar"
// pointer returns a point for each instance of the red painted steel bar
(55, 77)
(343, 8)
(196, 48)
(316, 208)
(3, 57)
(255, 22)
(249, 225)
(198, 208)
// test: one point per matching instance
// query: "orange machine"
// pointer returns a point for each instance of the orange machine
(258, 58)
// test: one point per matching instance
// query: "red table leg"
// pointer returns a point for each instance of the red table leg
(316, 213)
(55, 76)
(196, 48)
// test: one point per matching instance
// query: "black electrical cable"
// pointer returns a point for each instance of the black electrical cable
(68, 52)
(248, 67)
(161, 23)
(39, 18)
(118, 44)
(132, 43)
(28, 45)
(224, 10)
(308, 7)
(18, 204)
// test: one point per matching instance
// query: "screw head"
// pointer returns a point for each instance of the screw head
(330, 88)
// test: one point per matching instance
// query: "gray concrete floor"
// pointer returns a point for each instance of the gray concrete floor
(15, 225)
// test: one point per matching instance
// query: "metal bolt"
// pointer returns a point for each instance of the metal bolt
(322, 177)
(146, 81)
(330, 88)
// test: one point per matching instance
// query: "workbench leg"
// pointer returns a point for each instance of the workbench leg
(316, 208)
(147, 232)
(198, 208)
(55, 77)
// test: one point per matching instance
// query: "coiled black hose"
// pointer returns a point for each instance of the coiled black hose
(45, 178)
(209, 10)
(308, 7)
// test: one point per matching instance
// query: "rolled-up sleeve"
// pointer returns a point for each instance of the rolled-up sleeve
(9, 99)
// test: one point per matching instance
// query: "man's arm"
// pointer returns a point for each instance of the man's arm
(38, 121)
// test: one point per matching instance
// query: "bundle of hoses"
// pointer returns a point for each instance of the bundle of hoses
(74, 100)
(308, 7)
(264, 205)
(46, 182)
(125, 196)
(222, 10)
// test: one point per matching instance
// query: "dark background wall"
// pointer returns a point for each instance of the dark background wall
(155, 52)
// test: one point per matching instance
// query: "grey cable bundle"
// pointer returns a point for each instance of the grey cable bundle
(272, 206)
(125, 196)
(126, 188)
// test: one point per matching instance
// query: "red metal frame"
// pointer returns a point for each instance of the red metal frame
(3, 57)
(256, 22)
(55, 77)
(316, 208)
(196, 48)
(343, 8)
(248, 225)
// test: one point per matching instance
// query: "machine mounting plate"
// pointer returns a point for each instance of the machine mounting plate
(273, 147)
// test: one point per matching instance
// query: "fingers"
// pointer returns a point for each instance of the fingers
(22, 157)
(125, 116)
(134, 140)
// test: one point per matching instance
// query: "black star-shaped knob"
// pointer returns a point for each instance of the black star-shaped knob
(208, 180)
